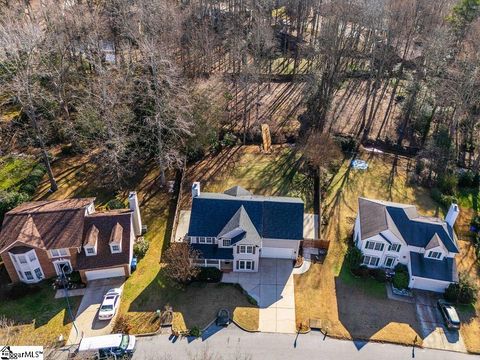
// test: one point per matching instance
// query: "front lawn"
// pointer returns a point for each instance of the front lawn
(348, 307)
(39, 318)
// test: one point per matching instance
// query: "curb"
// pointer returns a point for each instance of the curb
(242, 328)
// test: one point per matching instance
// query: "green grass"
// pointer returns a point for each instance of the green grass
(469, 198)
(13, 170)
(44, 317)
(368, 285)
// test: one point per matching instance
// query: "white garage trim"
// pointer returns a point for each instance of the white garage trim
(278, 253)
(428, 284)
(104, 273)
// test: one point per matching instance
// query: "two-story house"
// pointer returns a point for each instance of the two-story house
(389, 233)
(43, 239)
(235, 229)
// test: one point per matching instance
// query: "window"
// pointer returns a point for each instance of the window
(245, 265)
(372, 245)
(28, 275)
(22, 259)
(389, 261)
(90, 251)
(434, 255)
(31, 256)
(59, 252)
(227, 242)
(115, 248)
(38, 273)
(246, 249)
(370, 260)
(394, 247)
(209, 240)
(201, 240)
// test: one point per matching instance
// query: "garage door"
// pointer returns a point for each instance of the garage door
(430, 285)
(278, 253)
(104, 273)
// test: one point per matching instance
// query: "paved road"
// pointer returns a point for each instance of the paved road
(234, 344)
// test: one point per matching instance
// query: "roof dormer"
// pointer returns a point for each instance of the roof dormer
(91, 241)
(116, 239)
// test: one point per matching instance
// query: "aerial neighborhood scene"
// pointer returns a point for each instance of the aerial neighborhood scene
(242, 179)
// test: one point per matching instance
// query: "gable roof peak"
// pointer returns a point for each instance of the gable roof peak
(237, 191)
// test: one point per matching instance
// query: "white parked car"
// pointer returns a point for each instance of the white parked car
(110, 304)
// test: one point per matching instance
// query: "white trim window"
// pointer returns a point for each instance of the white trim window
(54, 253)
(90, 250)
(434, 255)
(245, 249)
(115, 248)
(38, 273)
(373, 245)
(227, 242)
(246, 265)
(370, 260)
(21, 258)
(28, 275)
(389, 262)
(394, 247)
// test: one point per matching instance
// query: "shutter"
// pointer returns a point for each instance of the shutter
(238, 262)
(253, 250)
(238, 250)
(253, 265)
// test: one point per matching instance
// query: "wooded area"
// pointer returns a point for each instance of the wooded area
(168, 81)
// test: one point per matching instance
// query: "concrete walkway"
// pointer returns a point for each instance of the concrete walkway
(272, 286)
(182, 226)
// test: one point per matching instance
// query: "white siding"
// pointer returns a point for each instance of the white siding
(428, 284)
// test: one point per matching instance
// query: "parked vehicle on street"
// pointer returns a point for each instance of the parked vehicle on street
(449, 314)
(107, 346)
(110, 304)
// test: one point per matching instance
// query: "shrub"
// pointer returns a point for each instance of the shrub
(463, 292)
(466, 179)
(379, 275)
(354, 258)
(229, 139)
(400, 280)
(115, 204)
(195, 332)
(140, 247)
(10, 199)
(252, 300)
(121, 325)
(401, 268)
(442, 199)
(209, 274)
(28, 189)
(75, 277)
(448, 183)
(361, 271)
(347, 144)
(19, 290)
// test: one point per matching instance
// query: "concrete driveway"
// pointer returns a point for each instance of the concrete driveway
(272, 286)
(86, 319)
(434, 332)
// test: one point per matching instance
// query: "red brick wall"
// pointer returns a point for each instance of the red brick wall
(10, 268)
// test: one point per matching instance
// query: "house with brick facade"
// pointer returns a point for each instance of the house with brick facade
(43, 239)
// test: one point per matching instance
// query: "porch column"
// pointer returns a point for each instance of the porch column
(205, 262)
(219, 265)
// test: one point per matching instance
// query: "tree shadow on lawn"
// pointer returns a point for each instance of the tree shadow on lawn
(198, 302)
(364, 310)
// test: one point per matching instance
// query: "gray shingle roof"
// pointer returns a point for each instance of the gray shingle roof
(272, 217)
(444, 270)
(237, 191)
(241, 229)
(403, 220)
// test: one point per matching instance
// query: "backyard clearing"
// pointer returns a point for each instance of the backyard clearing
(345, 306)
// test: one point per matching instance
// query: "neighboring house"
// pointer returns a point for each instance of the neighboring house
(391, 233)
(42, 239)
(233, 230)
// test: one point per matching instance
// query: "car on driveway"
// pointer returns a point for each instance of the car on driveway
(110, 304)
(449, 314)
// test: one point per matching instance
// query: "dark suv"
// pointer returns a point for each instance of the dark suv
(449, 314)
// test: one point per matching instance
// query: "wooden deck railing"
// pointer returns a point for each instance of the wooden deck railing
(318, 244)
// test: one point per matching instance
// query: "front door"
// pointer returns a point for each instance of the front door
(63, 267)
(389, 261)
